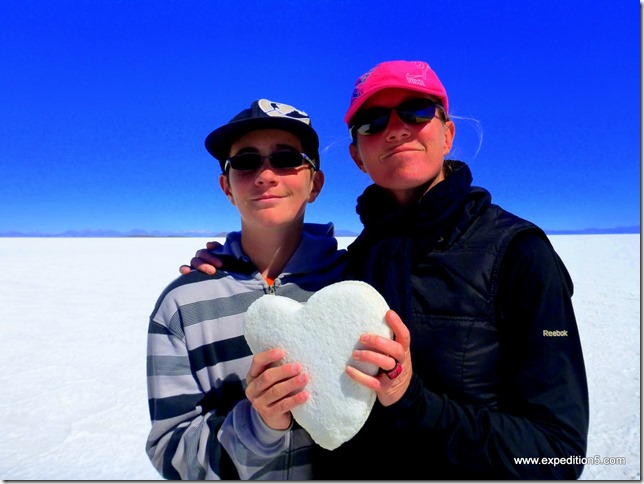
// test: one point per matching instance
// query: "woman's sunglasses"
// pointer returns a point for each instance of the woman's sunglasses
(280, 160)
(375, 120)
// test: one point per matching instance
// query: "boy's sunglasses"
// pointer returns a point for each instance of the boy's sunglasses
(375, 120)
(278, 160)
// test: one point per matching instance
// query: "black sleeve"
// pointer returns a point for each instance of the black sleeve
(543, 403)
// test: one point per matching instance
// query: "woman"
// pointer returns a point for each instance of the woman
(482, 293)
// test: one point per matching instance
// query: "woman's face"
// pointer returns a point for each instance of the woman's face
(270, 197)
(405, 159)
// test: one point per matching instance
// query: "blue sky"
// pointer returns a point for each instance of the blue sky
(106, 103)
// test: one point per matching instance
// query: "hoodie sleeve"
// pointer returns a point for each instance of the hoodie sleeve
(182, 443)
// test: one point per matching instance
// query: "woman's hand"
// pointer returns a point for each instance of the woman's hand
(385, 353)
(203, 261)
(275, 390)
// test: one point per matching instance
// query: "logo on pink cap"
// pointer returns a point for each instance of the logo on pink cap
(412, 75)
(415, 79)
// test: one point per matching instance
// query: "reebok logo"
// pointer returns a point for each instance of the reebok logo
(555, 333)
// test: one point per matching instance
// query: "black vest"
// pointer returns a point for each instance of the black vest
(453, 317)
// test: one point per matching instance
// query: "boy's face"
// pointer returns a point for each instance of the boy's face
(406, 159)
(270, 197)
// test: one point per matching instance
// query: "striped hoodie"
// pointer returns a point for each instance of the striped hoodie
(203, 427)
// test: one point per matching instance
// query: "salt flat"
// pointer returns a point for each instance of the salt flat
(74, 320)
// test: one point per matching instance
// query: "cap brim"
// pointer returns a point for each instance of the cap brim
(364, 97)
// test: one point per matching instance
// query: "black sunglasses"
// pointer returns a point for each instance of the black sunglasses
(278, 160)
(374, 120)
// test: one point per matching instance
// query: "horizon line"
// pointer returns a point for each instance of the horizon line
(134, 233)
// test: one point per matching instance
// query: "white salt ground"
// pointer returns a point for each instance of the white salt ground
(73, 401)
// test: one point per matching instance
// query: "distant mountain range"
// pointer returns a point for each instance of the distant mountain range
(114, 233)
(634, 229)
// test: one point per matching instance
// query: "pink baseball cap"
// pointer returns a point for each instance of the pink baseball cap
(411, 75)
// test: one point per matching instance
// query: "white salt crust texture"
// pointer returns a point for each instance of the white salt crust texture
(321, 335)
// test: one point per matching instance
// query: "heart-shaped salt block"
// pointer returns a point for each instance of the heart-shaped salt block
(321, 335)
